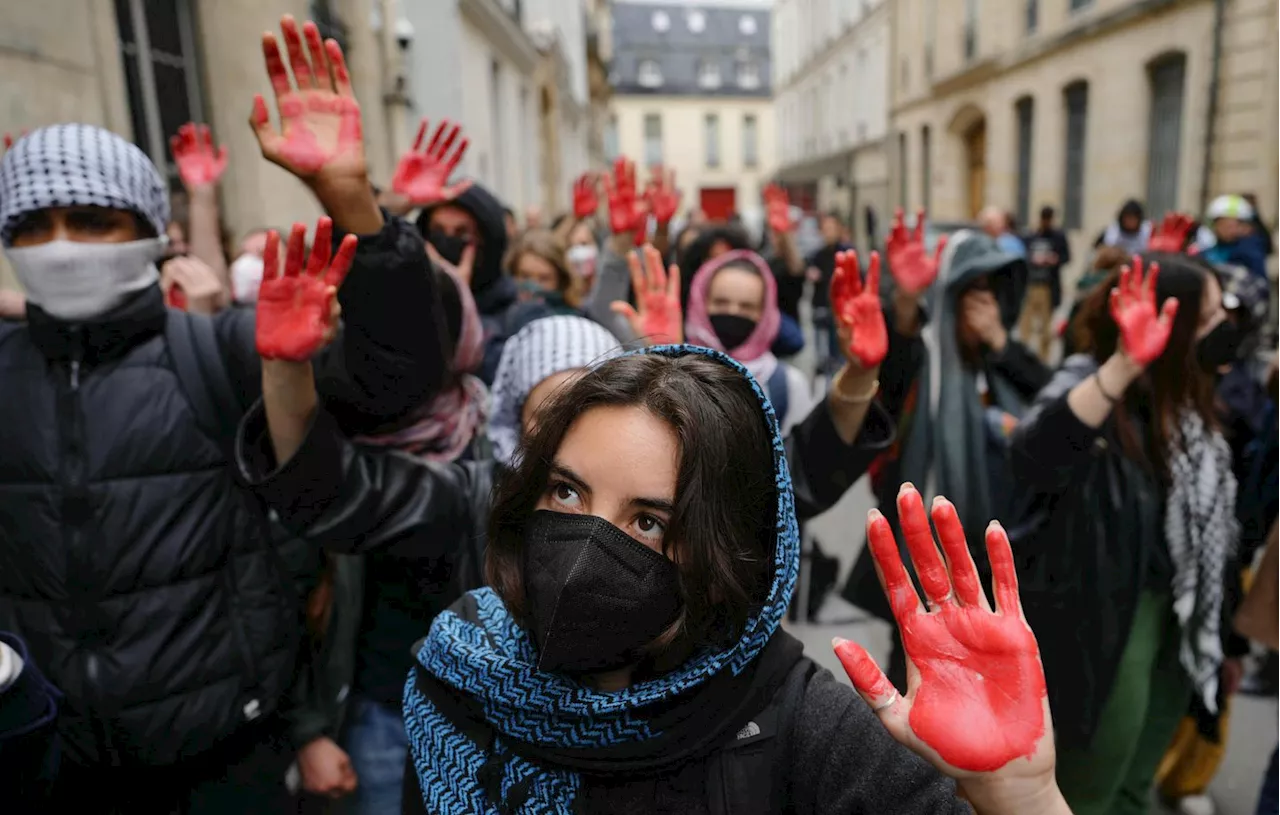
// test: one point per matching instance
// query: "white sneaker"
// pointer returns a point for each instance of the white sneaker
(1196, 805)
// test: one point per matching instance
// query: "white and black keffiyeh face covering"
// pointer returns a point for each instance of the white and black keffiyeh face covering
(1201, 531)
(80, 165)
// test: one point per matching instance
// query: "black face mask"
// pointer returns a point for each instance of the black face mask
(595, 595)
(1219, 347)
(449, 247)
(732, 329)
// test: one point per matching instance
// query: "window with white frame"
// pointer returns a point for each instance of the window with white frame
(697, 21)
(653, 139)
(711, 126)
(747, 25)
(157, 43)
(649, 74)
(611, 150)
(748, 75)
(661, 22)
(708, 74)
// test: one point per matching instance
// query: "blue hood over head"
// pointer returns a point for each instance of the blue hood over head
(477, 683)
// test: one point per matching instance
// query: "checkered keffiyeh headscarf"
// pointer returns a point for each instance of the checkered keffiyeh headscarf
(541, 349)
(79, 165)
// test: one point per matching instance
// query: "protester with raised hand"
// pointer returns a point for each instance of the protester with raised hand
(200, 166)
(600, 469)
(985, 379)
(628, 219)
(1128, 517)
(422, 176)
(662, 200)
(175, 660)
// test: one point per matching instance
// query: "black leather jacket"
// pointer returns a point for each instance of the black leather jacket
(431, 519)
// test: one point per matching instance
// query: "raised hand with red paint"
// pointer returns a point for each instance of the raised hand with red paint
(585, 199)
(320, 134)
(199, 164)
(298, 312)
(1171, 234)
(627, 212)
(661, 195)
(659, 320)
(976, 705)
(912, 268)
(859, 315)
(778, 207)
(9, 140)
(422, 176)
(1144, 333)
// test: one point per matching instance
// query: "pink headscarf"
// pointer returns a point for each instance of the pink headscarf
(754, 353)
(442, 429)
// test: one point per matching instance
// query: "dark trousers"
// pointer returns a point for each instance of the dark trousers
(245, 775)
(828, 356)
(1267, 801)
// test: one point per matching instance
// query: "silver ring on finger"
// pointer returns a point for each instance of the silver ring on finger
(887, 703)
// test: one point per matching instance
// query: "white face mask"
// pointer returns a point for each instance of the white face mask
(246, 277)
(582, 258)
(79, 281)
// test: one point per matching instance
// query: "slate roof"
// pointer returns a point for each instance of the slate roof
(679, 52)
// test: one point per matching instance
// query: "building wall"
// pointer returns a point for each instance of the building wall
(832, 86)
(567, 18)
(835, 99)
(1109, 45)
(684, 143)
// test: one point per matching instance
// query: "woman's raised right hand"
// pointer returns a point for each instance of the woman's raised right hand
(1144, 332)
(976, 705)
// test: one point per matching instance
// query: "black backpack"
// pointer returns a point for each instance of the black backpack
(197, 360)
(204, 379)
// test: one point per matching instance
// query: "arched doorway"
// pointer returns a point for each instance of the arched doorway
(975, 150)
(969, 127)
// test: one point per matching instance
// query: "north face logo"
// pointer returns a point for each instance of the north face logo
(752, 729)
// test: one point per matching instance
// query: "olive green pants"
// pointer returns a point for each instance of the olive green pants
(1150, 696)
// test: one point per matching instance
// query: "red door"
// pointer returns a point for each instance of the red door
(718, 202)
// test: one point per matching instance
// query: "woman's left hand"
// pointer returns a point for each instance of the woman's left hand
(659, 320)
(859, 316)
(976, 706)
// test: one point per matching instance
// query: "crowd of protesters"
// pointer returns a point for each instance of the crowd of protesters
(418, 510)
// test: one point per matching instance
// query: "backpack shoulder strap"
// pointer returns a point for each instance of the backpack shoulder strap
(202, 373)
(750, 775)
(779, 393)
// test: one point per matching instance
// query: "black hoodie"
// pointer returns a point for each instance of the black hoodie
(494, 292)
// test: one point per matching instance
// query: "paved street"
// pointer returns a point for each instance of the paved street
(1253, 726)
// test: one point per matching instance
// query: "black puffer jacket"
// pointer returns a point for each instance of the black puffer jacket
(141, 576)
